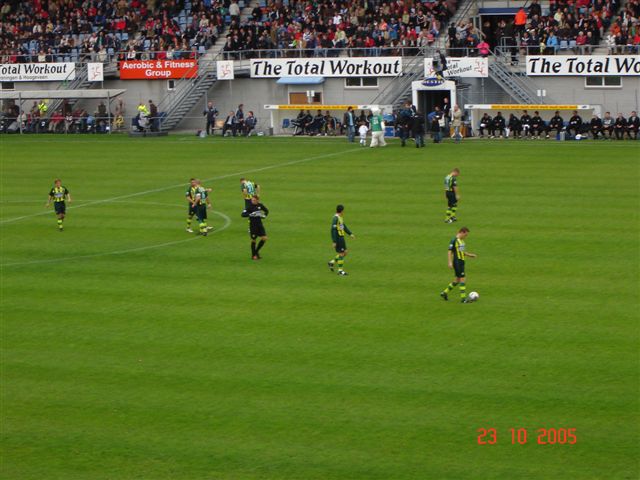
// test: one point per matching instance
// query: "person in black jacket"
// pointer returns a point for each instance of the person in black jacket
(405, 121)
(486, 123)
(620, 127)
(497, 126)
(595, 127)
(556, 123)
(256, 211)
(537, 125)
(230, 123)
(515, 126)
(210, 113)
(417, 127)
(633, 125)
(298, 124)
(575, 124)
(525, 122)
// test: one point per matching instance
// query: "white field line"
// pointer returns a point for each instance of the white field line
(170, 187)
(227, 223)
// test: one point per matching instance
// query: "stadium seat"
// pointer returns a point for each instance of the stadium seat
(286, 123)
(564, 45)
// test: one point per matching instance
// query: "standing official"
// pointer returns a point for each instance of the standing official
(211, 113)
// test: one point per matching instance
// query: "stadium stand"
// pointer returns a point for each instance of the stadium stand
(325, 27)
(56, 31)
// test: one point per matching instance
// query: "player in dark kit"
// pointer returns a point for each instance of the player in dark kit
(456, 256)
(338, 230)
(256, 211)
(190, 195)
(59, 195)
(451, 193)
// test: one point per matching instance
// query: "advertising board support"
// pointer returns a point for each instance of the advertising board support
(20, 111)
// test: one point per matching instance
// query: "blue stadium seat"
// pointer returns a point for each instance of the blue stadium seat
(202, 50)
(285, 123)
(227, 19)
(564, 45)
(125, 36)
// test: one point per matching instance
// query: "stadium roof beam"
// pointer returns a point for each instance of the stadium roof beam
(60, 94)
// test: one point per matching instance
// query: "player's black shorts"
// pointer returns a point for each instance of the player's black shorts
(257, 231)
(192, 210)
(201, 212)
(341, 245)
(60, 207)
(451, 199)
(458, 267)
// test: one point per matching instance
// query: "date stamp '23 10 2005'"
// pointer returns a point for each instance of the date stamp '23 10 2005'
(520, 436)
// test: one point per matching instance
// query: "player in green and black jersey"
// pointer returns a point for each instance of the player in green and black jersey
(199, 204)
(59, 195)
(256, 211)
(190, 195)
(456, 257)
(338, 231)
(451, 193)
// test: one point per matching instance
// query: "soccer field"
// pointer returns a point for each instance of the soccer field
(134, 350)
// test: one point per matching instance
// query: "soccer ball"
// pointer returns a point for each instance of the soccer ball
(473, 296)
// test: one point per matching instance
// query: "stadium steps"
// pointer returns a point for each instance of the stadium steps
(81, 82)
(518, 86)
(187, 93)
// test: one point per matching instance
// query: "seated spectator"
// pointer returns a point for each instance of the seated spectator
(633, 126)
(538, 126)
(620, 127)
(486, 123)
(497, 126)
(56, 122)
(595, 127)
(525, 122)
(515, 126)
(230, 123)
(575, 124)
(607, 125)
(250, 122)
(556, 123)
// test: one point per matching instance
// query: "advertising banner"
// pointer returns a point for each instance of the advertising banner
(95, 72)
(327, 67)
(158, 69)
(37, 72)
(460, 67)
(225, 70)
(583, 65)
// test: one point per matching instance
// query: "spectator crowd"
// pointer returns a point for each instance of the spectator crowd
(102, 30)
(319, 28)
(578, 26)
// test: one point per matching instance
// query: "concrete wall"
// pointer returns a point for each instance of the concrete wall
(255, 93)
(572, 90)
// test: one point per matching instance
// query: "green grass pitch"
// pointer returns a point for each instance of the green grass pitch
(133, 350)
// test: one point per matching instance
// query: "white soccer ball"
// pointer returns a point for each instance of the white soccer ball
(473, 296)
